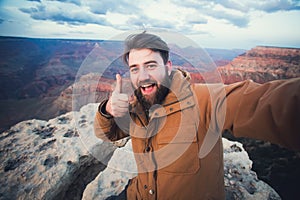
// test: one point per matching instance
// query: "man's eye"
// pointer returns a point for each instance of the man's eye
(151, 66)
(134, 69)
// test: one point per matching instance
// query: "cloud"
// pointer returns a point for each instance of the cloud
(104, 6)
(246, 6)
(133, 16)
(268, 6)
(215, 10)
(237, 12)
(239, 20)
(182, 16)
(196, 20)
(282, 5)
(35, 0)
(140, 21)
(76, 2)
(56, 12)
(29, 10)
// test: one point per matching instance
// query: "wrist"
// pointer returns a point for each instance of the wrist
(102, 109)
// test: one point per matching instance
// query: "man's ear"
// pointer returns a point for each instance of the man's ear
(169, 66)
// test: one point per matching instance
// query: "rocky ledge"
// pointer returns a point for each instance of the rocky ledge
(62, 159)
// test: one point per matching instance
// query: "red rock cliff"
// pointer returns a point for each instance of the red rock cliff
(262, 64)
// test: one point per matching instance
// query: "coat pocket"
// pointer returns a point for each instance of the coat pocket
(178, 150)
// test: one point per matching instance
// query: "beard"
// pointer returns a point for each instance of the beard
(158, 97)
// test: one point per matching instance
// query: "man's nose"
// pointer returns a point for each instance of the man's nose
(143, 75)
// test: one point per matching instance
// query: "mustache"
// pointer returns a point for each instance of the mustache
(147, 82)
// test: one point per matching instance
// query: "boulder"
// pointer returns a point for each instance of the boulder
(51, 159)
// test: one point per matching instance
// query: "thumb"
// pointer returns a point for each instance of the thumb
(119, 83)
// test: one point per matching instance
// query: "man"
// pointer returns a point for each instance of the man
(170, 120)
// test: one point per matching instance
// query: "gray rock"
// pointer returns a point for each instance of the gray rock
(240, 181)
(44, 159)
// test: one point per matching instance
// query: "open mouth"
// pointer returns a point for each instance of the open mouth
(147, 88)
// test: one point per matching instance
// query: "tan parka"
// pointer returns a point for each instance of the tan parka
(178, 148)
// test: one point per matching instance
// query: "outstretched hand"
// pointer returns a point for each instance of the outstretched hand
(117, 104)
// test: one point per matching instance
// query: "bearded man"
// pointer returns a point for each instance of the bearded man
(170, 120)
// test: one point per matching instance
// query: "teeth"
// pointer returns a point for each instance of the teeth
(148, 85)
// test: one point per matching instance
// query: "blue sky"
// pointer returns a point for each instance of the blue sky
(212, 24)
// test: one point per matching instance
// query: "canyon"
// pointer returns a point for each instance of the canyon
(46, 78)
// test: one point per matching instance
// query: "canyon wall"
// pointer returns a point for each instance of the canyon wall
(263, 64)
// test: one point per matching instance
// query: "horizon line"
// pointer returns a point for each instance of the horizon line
(101, 40)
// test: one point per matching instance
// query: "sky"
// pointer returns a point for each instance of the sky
(227, 24)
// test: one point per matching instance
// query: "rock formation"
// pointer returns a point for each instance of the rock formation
(50, 159)
(263, 64)
(56, 159)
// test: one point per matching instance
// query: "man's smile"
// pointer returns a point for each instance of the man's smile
(148, 88)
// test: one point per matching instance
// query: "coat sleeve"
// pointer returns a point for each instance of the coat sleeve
(106, 128)
(267, 111)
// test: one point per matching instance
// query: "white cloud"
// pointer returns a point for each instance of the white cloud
(76, 2)
(56, 11)
(225, 23)
(104, 6)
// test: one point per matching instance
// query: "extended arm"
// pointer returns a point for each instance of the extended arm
(269, 111)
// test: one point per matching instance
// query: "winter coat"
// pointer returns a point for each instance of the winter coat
(178, 147)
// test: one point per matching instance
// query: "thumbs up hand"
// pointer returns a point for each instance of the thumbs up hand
(117, 104)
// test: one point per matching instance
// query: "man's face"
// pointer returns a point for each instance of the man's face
(148, 73)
